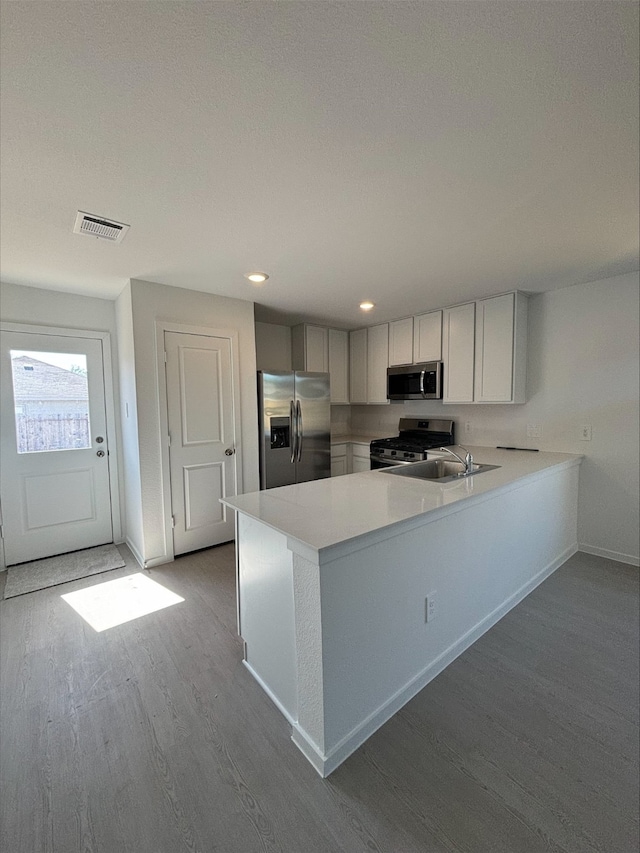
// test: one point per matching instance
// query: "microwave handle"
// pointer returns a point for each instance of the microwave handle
(422, 391)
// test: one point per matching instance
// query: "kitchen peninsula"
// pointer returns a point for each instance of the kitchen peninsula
(334, 577)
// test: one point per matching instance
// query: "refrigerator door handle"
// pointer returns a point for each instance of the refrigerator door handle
(293, 431)
(299, 429)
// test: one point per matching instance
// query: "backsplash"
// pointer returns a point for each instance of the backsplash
(488, 426)
(340, 420)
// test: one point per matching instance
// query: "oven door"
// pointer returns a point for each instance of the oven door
(377, 462)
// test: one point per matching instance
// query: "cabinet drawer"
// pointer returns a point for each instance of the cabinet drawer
(360, 450)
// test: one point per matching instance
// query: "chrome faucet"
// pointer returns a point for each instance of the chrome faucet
(467, 461)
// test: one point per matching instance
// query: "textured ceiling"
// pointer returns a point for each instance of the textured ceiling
(417, 154)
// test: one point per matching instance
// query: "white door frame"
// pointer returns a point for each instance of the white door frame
(109, 402)
(163, 326)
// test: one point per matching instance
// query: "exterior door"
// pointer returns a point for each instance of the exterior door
(54, 479)
(202, 459)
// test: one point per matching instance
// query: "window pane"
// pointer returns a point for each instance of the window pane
(51, 398)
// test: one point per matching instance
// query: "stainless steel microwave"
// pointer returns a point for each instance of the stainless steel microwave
(415, 381)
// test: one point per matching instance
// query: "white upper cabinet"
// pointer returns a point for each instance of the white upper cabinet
(427, 337)
(401, 342)
(369, 359)
(501, 349)
(339, 365)
(416, 339)
(358, 366)
(458, 352)
(485, 350)
(321, 350)
(310, 348)
(377, 363)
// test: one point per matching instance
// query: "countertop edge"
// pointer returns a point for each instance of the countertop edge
(329, 553)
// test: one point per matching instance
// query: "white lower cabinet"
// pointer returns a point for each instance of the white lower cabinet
(350, 457)
(339, 460)
(360, 460)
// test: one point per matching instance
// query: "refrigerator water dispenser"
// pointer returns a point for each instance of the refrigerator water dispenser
(280, 432)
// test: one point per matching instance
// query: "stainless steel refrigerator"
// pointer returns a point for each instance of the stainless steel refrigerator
(295, 426)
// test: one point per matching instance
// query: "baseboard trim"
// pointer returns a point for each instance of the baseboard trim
(630, 559)
(311, 752)
(135, 552)
(326, 763)
(157, 561)
(271, 695)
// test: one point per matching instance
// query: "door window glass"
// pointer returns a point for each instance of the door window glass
(51, 399)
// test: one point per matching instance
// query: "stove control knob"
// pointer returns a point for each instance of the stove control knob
(393, 452)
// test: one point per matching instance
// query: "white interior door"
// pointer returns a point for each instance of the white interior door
(54, 479)
(202, 439)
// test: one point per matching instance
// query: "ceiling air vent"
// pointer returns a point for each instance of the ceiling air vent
(98, 226)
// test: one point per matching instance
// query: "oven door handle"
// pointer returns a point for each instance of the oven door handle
(389, 463)
(422, 391)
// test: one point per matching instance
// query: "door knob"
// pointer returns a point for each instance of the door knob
(229, 451)
(99, 439)
(100, 453)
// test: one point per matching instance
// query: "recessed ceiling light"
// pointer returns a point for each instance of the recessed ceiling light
(256, 277)
(367, 306)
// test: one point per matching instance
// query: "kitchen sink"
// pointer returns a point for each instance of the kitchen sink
(443, 470)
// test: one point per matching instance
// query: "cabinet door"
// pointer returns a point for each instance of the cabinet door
(316, 349)
(338, 466)
(401, 342)
(458, 351)
(360, 459)
(359, 465)
(494, 349)
(427, 337)
(358, 366)
(377, 363)
(339, 365)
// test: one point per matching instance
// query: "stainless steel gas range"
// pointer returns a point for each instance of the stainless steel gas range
(416, 437)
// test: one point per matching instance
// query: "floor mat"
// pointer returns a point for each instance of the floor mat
(40, 574)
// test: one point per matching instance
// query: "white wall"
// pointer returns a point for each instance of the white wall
(150, 302)
(134, 528)
(273, 346)
(582, 369)
(35, 306)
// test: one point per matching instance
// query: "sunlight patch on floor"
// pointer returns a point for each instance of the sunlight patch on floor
(105, 605)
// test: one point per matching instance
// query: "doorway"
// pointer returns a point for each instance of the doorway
(56, 477)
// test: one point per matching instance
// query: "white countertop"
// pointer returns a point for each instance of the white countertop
(325, 513)
(353, 439)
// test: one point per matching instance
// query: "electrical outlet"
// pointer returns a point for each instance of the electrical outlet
(430, 607)
(467, 428)
(585, 432)
(534, 430)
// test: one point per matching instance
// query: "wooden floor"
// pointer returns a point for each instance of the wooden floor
(152, 737)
